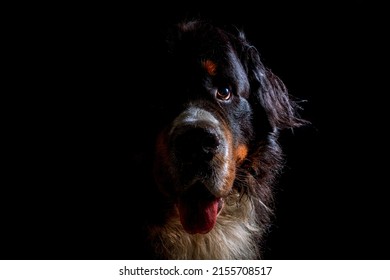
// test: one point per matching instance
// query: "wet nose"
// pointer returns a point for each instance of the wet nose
(195, 144)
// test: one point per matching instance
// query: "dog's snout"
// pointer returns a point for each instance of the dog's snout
(195, 144)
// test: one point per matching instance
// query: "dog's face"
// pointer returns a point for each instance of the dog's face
(217, 110)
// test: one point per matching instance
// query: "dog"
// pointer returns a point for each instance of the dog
(217, 114)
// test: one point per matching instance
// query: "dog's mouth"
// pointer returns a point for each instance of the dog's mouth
(198, 209)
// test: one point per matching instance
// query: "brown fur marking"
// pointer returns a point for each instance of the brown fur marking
(210, 67)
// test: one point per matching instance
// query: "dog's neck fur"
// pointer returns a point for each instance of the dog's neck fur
(233, 236)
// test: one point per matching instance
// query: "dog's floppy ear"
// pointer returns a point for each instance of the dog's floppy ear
(268, 91)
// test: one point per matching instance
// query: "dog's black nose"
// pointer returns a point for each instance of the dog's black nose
(192, 145)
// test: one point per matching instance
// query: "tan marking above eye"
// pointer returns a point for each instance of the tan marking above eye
(210, 67)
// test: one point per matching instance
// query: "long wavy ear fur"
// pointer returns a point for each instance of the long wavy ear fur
(268, 91)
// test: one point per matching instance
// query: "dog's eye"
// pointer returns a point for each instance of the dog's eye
(224, 93)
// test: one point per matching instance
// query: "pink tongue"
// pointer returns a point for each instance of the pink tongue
(198, 215)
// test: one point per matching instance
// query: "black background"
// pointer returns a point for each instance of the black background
(73, 69)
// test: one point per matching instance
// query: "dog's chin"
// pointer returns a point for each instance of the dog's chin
(199, 209)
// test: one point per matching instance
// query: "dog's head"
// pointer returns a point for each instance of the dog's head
(220, 105)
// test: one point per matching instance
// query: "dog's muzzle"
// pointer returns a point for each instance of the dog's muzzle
(196, 140)
(195, 144)
(200, 158)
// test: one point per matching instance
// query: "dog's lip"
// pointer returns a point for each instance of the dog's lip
(200, 191)
(206, 194)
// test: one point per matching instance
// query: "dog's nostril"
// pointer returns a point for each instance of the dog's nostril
(196, 144)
